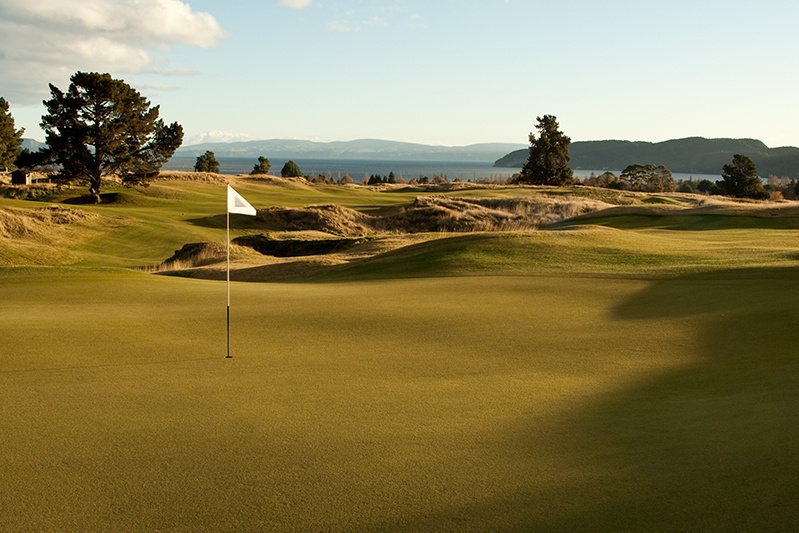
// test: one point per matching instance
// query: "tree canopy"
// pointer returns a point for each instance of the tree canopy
(740, 179)
(10, 138)
(649, 178)
(290, 170)
(103, 126)
(548, 159)
(207, 163)
(262, 167)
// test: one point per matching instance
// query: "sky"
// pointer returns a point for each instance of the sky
(444, 72)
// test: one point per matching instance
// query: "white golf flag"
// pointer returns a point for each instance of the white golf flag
(237, 204)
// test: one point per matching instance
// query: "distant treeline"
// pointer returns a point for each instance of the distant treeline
(694, 155)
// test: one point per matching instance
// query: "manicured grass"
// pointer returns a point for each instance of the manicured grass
(477, 403)
(622, 372)
(583, 250)
(693, 222)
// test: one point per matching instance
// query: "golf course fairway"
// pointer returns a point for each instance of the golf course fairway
(564, 402)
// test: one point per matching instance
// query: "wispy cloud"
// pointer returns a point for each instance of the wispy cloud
(356, 25)
(296, 4)
(48, 40)
(344, 26)
(175, 72)
(374, 16)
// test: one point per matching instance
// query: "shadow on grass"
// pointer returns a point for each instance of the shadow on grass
(434, 258)
(105, 198)
(266, 245)
(710, 445)
(220, 221)
(677, 222)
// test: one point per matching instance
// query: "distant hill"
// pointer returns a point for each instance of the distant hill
(695, 155)
(374, 149)
(31, 145)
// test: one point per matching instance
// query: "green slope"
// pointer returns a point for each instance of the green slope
(145, 226)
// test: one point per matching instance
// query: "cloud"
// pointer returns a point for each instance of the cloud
(46, 41)
(296, 4)
(344, 26)
(182, 72)
(350, 26)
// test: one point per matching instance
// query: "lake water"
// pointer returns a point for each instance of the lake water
(358, 168)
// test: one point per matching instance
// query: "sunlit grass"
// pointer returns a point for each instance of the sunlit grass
(582, 251)
(617, 373)
(147, 225)
(478, 403)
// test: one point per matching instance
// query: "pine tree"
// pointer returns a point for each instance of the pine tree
(102, 126)
(548, 162)
(740, 179)
(207, 163)
(262, 167)
(290, 170)
(10, 138)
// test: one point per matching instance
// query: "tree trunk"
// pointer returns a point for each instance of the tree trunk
(94, 192)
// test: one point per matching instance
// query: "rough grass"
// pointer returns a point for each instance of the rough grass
(453, 214)
(145, 226)
(193, 255)
(17, 223)
(430, 214)
(44, 235)
(332, 219)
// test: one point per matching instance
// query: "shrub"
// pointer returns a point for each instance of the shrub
(291, 170)
(262, 167)
(207, 163)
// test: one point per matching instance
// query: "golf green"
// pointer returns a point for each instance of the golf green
(561, 402)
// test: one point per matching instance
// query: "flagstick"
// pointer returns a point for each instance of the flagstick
(235, 204)
(227, 249)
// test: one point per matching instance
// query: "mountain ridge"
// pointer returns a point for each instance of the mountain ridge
(686, 155)
(355, 149)
(697, 155)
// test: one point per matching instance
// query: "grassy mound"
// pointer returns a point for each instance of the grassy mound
(431, 214)
(454, 214)
(204, 177)
(146, 225)
(44, 236)
(19, 223)
(332, 219)
(195, 254)
(715, 215)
